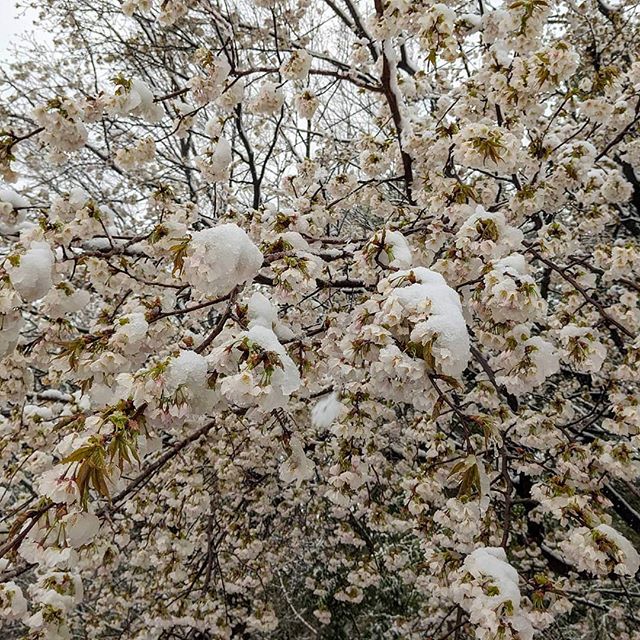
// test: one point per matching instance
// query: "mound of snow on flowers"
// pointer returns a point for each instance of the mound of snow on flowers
(221, 258)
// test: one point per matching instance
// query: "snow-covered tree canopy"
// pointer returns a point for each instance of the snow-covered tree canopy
(319, 319)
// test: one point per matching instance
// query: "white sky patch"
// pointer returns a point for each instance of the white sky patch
(13, 23)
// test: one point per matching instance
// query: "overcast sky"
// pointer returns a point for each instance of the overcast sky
(10, 24)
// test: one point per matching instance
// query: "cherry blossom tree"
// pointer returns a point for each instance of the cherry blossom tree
(320, 319)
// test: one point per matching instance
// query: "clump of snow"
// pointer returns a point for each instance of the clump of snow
(188, 369)
(631, 560)
(600, 551)
(326, 411)
(269, 99)
(488, 234)
(80, 528)
(221, 258)
(297, 66)
(545, 356)
(138, 101)
(256, 369)
(445, 326)
(222, 153)
(514, 264)
(56, 395)
(32, 277)
(10, 325)
(214, 163)
(510, 293)
(63, 300)
(13, 604)
(261, 312)
(400, 250)
(130, 330)
(492, 562)
(285, 378)
(12, 214)
(481, 601)
(297, 467)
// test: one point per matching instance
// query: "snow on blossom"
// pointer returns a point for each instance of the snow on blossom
(509, 292)
(629, 558)
(445, 329)
(390, 248)
(64, 299)
(297, 66)
(306, 104)
(80, 528)
(54, 595)
(297, 467)
(188, 369)
(286, 378)
(213, 127)
(58, 485)
(12, 213)
(493, 597)
(400, 250)
(437, 24)
(130, 330)
(601, 551)
(220, 258)
(261, 312)
(487, 234)
(256, 368)
(11, 323)
(395, 341)
(135, 98)
(582, 349)
(13, 604)
(215, 163)
(269, 100)
(32, 273)
(349, 311)
(326, 411)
